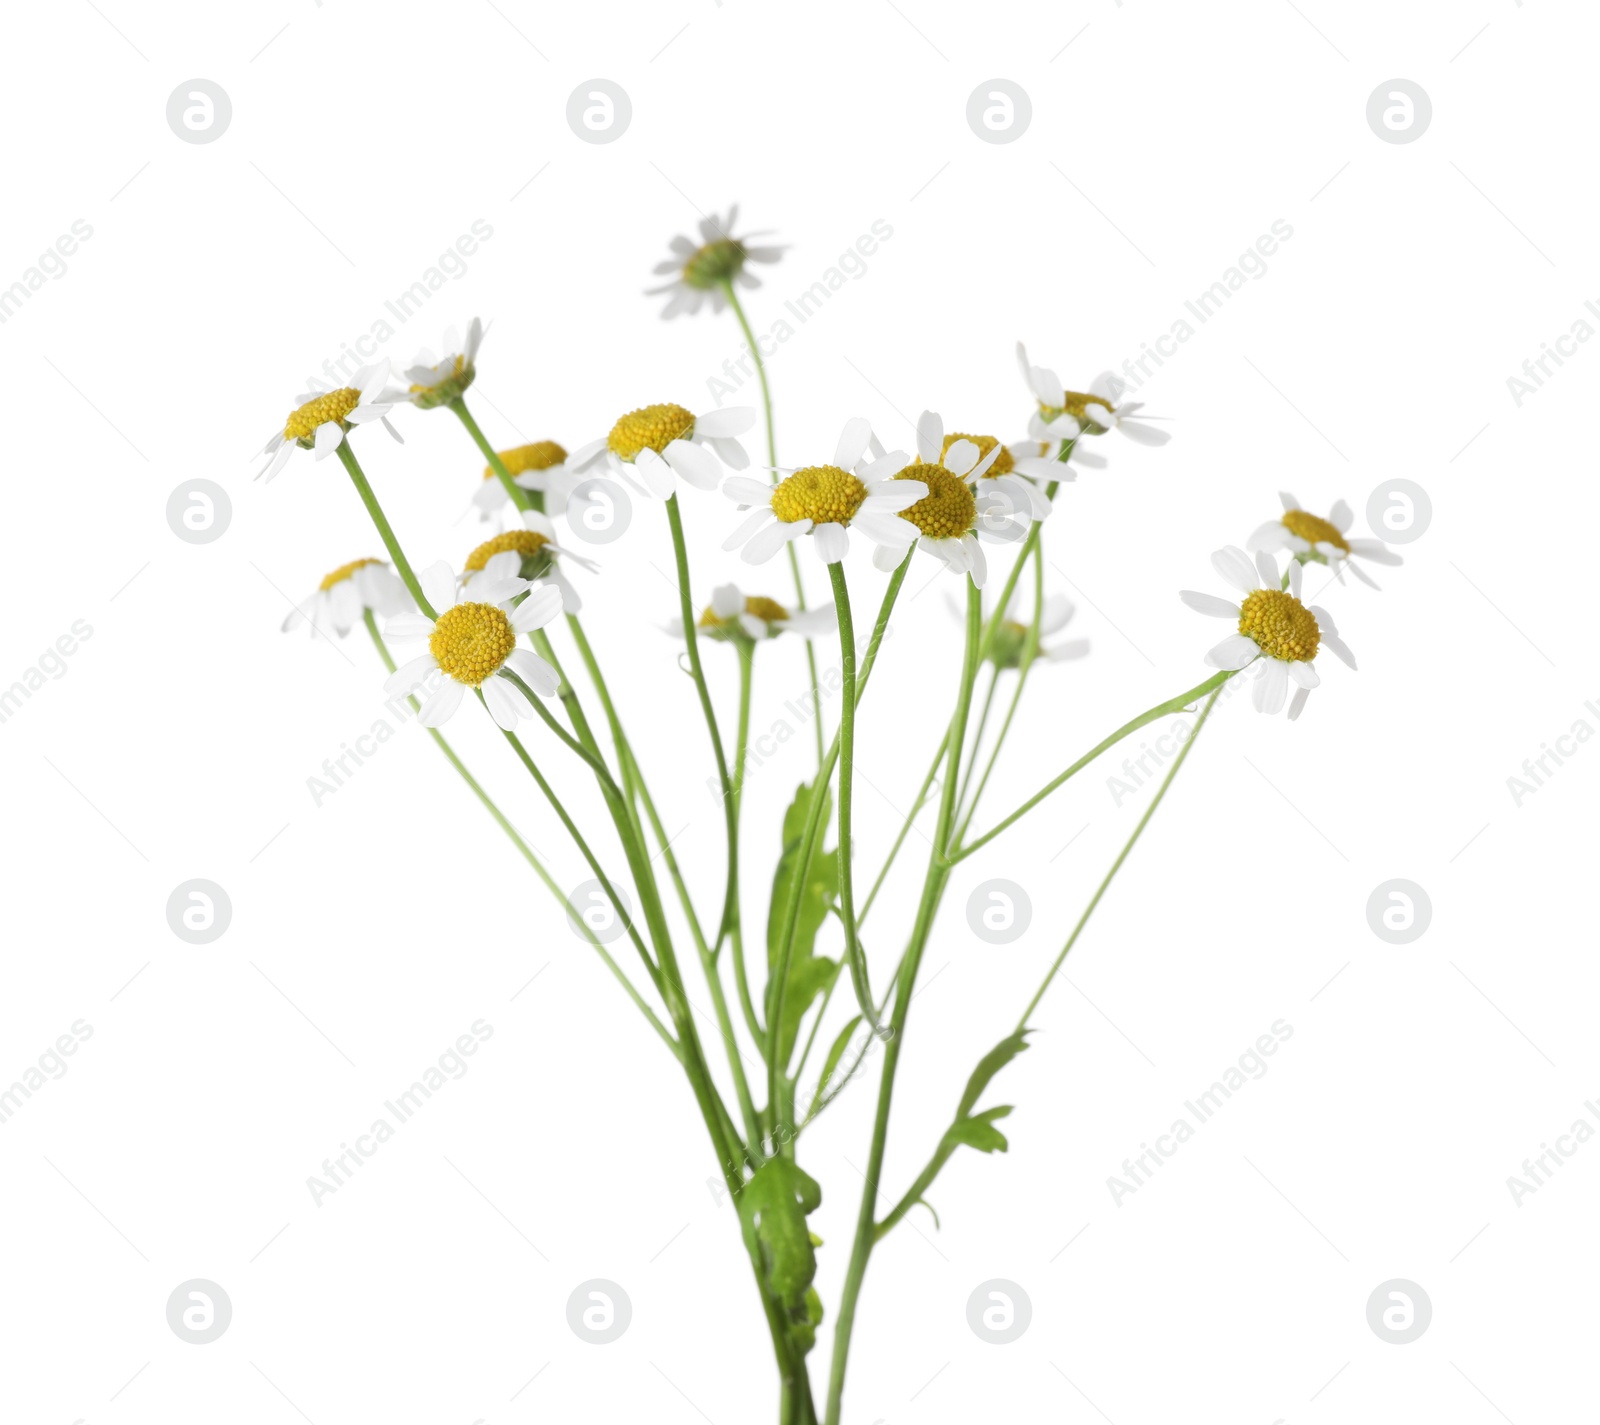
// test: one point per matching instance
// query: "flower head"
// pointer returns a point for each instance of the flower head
(435, 383)
(1011, 635)
(339, 601)
(529, 552)
(827, 501)
(1067, 414)
(1273, 628)
(1311, 539)
(954, 514)
(703, 270)
(540, 466)
(473, 644)
(324, 415)
(733, 615)
(654, 445)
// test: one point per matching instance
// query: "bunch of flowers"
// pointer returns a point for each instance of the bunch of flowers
(479, 630)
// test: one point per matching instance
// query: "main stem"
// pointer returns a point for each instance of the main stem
(933, 886)
(847, 761)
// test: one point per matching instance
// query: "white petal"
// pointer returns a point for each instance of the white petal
(1375, 550)
(327, 439)
(930, 437)
(1209, 604)
(961, 457)
(535, 611)
(409, 676)
(853, 442)
(886, 558)
(753, 626)
(889, 497)
(1235, 567)
(978, 559)
(1271, 535)
(1057, 614)
(727, 601)
(442, 703)
(1233, 653)
(1297, 702)
(1142, 434)
(408, 627)
(888, 530)
(694, 463)
(731, 420)
(535, 672)
(1304, 674)
(833, 543)
(438, 585)
(745, 491)
(1324, 620)
(1341, 516)
(1288, 501)
(656, 474)
(1339, 648)
(769, 541)
(1267, 568)
(729, 451)
(1271, 686)
(747, 527)
(505, 702)
(1295, 577)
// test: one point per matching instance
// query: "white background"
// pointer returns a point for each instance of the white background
(369, 932)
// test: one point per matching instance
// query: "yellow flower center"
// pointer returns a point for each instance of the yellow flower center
(343, 572)
(471, 641)
(823, 494)
(1003, 463)
(948, 510)
(1313, 530)
(1280, 625)
(768, 610)
(541, 455)
(525, 542)
(649, 428)
(319, 410)
(456, 368)
(1077, 406)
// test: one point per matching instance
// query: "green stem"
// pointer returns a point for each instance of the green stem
(385, 532)
(977, 738)
(905, 826)
(772, 460)
(1122, 856)
(1171, 705)
(847, 762)
(526, 851)
(522, 499)
(692, 642)
(741, 746)
(933, 885)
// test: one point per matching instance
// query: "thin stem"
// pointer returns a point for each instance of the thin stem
(772, 459)
(1122, 856)
(385, 532)
(522, 499)
(1171, 705)
(526, 851)
(977, 738)
(692, 642)
(933, 885)
(905, 826)
(847, 762)
(741, 976)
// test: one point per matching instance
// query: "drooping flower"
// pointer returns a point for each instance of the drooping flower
(827, 501)
(1067, 414)
(1011, 634)
(1312, 539)
(1274, 629)
(435, 383)
(661, 443)
(473, 643)
(540, 465)
(732, 615)
(530, 553)
(701, 270)
(339, 601)
(322, 417)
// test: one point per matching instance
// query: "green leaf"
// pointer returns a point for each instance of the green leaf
(835, 1054)
(978, 1132)
(808, 975)
(990, 1065)
(776, 1202)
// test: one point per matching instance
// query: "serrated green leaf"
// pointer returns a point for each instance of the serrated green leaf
(835, 1053)
(808, 975)
(978, 1132)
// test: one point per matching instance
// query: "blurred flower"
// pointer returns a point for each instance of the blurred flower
(540, 466)
(342, 597)
(702, 271)
(732, 615)
(1067, 414)
(1322, 541)
(434, 383)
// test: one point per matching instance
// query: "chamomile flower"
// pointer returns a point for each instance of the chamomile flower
(1067, 414)
(1274, 629)
(733, 614)
(1041, 461)
(473, 643)
(954, 516)
(1011, 636)
(662, 443)
(528, 553)
(1000, 475)
(323, 417)
(701, 270)
(1312, 539)
(344, 595)
(827, 501)
(435, 383)
(540, 466)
